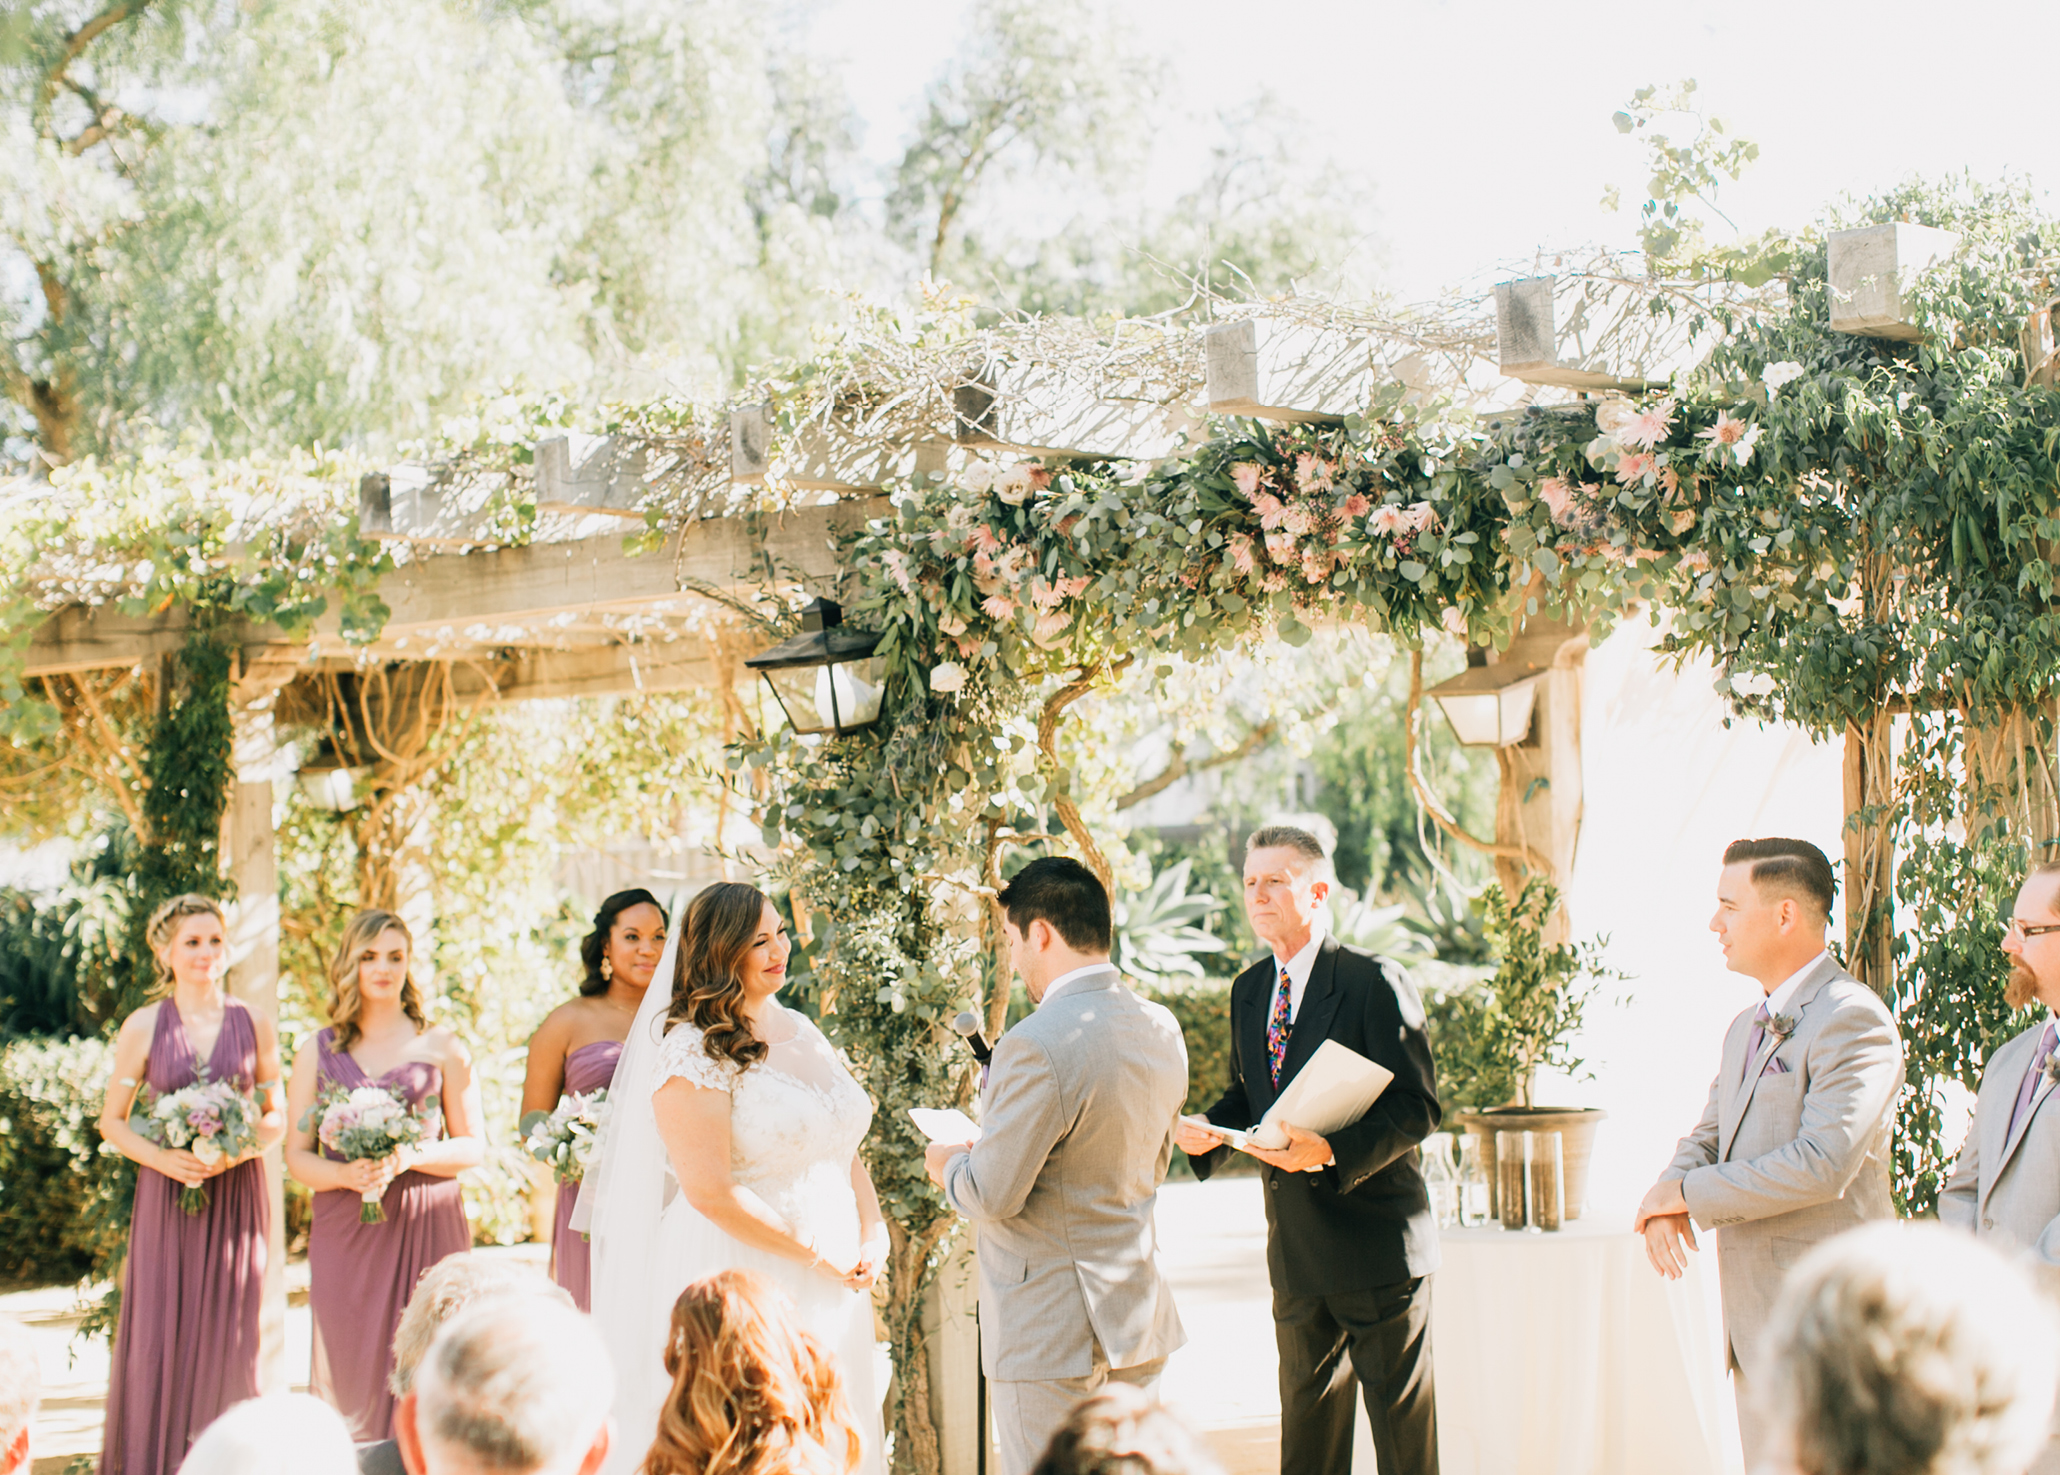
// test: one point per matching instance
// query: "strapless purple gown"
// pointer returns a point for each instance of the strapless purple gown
(361, 1275)
(186, 1346)
(589, 1068)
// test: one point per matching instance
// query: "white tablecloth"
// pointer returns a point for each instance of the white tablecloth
(1565, 1354)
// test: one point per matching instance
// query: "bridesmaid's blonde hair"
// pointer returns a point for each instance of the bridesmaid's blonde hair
(164, 926)
(345, 1002)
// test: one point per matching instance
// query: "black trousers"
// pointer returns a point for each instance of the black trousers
(1384, 1336)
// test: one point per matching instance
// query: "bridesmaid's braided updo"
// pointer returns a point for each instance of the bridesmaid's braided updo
(164, 926)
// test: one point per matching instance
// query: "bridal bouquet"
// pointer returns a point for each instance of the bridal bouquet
(564, 1140)
(357, 1122)
(210, 1119)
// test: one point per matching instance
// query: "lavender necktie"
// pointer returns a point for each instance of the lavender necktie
(1757, 1038)
(2030, 1088)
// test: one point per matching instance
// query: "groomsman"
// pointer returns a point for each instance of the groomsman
(1350, 1239)
(2005, 1188)
(1792, 1148)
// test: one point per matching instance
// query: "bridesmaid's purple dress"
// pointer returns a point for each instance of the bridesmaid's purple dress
(588, 1068)
(361, 1275)
(187, 1343)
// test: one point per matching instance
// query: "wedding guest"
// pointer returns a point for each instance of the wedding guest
(360, 1275)
(575, 1049)
(446, 1288)
(1907, 1349)
(1793, 1145)
(516, 1385)
(279, 1434)
(21, 1384)
(1122, 1431)
(1351, 1243)
(186, 1344)
(752, 1393)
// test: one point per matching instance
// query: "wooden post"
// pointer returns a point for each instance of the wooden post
(251, 861)
(951, 1333)
(2010, 779)
(1869, 878)
(1541, 799)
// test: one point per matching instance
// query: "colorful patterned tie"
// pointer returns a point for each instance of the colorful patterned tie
(1756, 1039)
(2030, 1088)
(1279, 1025)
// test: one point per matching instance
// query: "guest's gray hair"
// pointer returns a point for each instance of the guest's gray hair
(21, 1382)
(1295, 838)
(448, 1287)
(279, 1434)
(519, 1383)
(1912, 1349)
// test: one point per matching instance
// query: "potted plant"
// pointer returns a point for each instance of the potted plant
(1529, 1012)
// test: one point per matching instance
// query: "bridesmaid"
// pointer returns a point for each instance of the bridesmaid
(361, 1275)
(186, 1345)
(575, 1048)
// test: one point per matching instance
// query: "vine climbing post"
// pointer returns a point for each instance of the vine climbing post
(1870, 808)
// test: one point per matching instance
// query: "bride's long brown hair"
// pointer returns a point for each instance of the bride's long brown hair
(708, 991)
(752, 1393)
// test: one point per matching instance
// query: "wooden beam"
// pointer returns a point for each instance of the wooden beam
(645, 666)
(1869, 269)
(820, 458)
(92, 637)
(1278, 372)
(585, 474)
(403, 505)
(1530, 346)
(1033, 410)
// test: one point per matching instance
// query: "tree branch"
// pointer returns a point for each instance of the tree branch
(1180, 767)
(76, 43)
(1047, 741)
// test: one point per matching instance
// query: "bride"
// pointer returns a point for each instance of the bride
(732, 1143)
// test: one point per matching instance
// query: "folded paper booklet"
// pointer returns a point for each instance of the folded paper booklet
(1332, 1091)
(949, 1125)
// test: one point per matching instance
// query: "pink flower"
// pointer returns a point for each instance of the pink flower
(1270, 509)
(1050, 626)
(999, 607)
(897, 567)
(1241, 553)
(1297, 521)
(1681, 519)
(1420, 515)
(1280, 547)
(1076, 586)
(1633, 467)
(1315, 565)
(1453, 619)
(967, 646)
(1557, 497)
(1045, 596)
(1356, 506)
(1312, 475)
(1385, 520)
(1273, 583)
(1650, 427)
(1726, 432)
(984, 539)
(1246, 475)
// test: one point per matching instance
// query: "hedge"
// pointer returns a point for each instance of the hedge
(64, 1197)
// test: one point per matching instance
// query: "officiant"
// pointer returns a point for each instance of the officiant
(1351, 1242)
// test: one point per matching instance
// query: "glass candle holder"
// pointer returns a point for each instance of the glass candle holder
(1512, 1170)
(1547, 1151)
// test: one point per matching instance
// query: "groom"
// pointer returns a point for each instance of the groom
(1076, 1133)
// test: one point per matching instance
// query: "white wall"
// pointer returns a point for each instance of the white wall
(1668, 786)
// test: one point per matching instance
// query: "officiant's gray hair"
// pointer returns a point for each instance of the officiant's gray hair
(519, 1383)
(1295, 838)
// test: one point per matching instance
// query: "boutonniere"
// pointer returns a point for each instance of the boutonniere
(1781, 1026)
(2053, 1069)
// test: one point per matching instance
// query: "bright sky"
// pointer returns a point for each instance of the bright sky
(1485, 127)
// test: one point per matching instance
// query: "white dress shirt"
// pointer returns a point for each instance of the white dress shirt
(1051, 990)
(1779, 1000)
(1298, 968)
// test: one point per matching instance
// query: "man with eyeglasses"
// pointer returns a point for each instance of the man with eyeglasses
(2006, 1184)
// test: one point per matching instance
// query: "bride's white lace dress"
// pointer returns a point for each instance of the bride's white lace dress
(796, 1121)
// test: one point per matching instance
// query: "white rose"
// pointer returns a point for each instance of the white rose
(1776, 375)
(1015, 485)
(1612, 415)
(978, 477)
(950, 676)
(205, 1149)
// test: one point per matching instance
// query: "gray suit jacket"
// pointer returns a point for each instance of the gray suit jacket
(1076, 1133)
(2011, 1189)
(1783, 1160)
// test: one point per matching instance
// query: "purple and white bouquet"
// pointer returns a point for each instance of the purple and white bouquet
(564, 1140)
(210, 1119)
(357, 1122)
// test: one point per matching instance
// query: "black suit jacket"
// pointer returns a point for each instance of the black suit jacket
(1365, 1220)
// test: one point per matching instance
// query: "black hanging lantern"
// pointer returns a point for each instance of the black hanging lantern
(826, 679)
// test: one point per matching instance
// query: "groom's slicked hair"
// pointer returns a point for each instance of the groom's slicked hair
(1059, 890)
(1788, 868)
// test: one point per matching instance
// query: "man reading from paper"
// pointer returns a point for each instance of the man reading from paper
(1351, 1241)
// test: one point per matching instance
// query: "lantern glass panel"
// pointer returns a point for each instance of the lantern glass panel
(1497, 718)
(833, 698)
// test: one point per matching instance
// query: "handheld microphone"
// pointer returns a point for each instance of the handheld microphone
(968, 1025)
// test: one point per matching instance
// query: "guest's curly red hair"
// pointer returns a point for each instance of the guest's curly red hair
(752, 1393)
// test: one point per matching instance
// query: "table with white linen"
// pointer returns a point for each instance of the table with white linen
(1566, 1354)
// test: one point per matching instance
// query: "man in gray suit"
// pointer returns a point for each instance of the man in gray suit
(2005, 1188)
(1076, 1132)
(1793, 1146)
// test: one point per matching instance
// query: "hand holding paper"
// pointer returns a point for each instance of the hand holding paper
(950, 1125)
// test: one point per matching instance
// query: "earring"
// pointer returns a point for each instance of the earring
(607, 969)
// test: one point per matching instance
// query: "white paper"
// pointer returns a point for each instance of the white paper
(1332, 1091)
(948, 1125)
